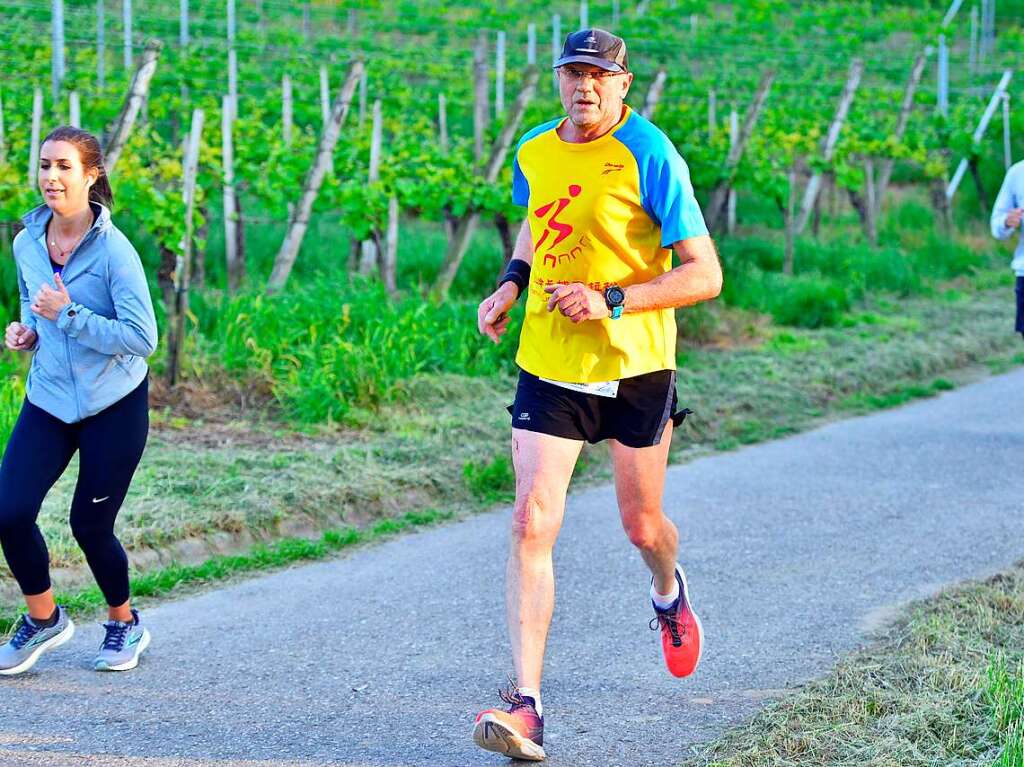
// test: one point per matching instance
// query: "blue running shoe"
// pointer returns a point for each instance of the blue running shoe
(30, 641)
(122, 645)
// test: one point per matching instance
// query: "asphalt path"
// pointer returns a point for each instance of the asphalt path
(795, 551)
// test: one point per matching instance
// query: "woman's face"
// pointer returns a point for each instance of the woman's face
(62, 179)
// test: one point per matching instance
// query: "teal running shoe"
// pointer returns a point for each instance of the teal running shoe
(122, 645)
(30, 641)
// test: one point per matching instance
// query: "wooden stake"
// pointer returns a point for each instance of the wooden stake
(442, 122)
(466, 225)
(286, 110)
(389, 259)
(787, 263)
(230, 207)
(74, 110)
(132, 104)
(57, 46)
(480, 89)
(499, 76)
(719, 197)
(370, 247)
(183, 267)
(33, 148)
(183, 24)
(126, 18)
(814, 185)
(654, 94)
(916, 72)
(299, 220)
(101, 46)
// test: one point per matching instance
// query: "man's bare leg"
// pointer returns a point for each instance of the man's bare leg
(544, 466)
(639, 485)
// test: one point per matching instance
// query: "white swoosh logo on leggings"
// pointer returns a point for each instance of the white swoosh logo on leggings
(100, 500)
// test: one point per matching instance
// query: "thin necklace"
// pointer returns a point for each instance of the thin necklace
(61, 253)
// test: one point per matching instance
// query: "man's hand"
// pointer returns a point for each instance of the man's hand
(48, 302)
(492, 314)
(19, 337)
(1013, 218)
(577, 302)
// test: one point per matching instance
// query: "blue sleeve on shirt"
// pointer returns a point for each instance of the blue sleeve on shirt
(665, 189)
(520, 186)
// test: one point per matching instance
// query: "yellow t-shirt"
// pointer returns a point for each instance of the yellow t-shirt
(602, 213)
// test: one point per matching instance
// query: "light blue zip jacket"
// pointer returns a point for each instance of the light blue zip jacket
(1011, 195)
(95, 352)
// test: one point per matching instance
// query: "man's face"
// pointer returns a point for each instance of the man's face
(592, 96)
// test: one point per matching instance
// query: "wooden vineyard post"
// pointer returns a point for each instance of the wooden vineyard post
(465, 225)
(986, 117)
(442, 123)
(531, 45)
(730, 205)
(584, 15)
(787, 263)
(126, 20)
(101, 46)
(1007, 147)
(556, 46)
(369, 247)
(363, 98)
(74, 110)
(235, 267)
(654, 94)
(132, 104)
(499, 76)
(286, 110)
(3, 134)
(37, 123)
(712, 112)
(720, 195)
(916, 72)
(183, 24)
(814, 185)
(183, 267)
(57, 47)
(389, 251)
(480, 90)
(299, 219)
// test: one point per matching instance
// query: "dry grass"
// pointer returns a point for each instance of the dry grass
(940, 688)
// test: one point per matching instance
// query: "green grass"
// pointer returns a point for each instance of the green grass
(944, 685)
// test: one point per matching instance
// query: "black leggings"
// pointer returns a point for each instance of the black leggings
(110, 445)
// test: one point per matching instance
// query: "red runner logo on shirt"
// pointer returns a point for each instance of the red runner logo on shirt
(553, 224)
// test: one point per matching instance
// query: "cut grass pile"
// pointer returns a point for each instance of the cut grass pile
(943, 686)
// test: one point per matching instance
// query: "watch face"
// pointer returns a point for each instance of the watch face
(615, 295)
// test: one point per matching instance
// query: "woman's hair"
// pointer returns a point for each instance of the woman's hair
(92, 157)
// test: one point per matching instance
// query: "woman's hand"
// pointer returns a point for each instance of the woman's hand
(48, 302)
(19, 337)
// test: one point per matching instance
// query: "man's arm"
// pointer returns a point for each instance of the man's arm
(697, 278)
(492, 314)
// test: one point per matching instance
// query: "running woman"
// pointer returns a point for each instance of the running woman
(87, 319)
(608, 201)
(1007, 212)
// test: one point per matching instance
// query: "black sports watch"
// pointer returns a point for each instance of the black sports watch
(615, 297)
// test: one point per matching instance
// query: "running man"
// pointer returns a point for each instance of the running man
(608, 201)
(1006, 217)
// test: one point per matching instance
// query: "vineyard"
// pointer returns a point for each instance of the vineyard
(414, 216)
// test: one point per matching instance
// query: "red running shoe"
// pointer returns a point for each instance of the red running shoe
(517, 733)
(682, 637)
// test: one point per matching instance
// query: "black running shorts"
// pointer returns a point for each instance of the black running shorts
(636, 417)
